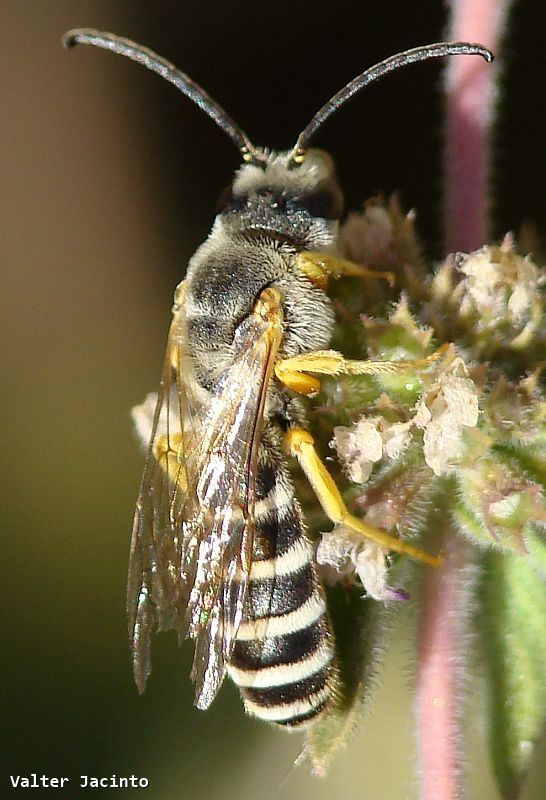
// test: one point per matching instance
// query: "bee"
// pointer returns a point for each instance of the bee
(219, 550)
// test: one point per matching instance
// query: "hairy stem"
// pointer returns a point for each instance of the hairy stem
(443, 637)
(447, 591)
(470, 90)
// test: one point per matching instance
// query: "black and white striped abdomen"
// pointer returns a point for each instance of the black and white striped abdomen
(283, 659)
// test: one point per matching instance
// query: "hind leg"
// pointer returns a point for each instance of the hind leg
(300, 443)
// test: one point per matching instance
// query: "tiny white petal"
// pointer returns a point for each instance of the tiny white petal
(371, 567)
(143, 417)
(396, 438)
(503, 509)
(422, 415)
(520, 301)
(343, 551)
(442, 442)
(335, 549)
(368, 438)
(500, 285)
(358, 448)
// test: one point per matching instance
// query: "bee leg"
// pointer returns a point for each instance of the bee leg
(291, 371)
(300, 444)
(318, 267)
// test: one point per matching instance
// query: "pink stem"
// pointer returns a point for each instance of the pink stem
(447, 591)
(443, 636)
(470, 95)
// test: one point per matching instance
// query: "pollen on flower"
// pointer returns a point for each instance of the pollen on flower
(344, 552)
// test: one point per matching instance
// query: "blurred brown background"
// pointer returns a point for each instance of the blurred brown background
(108, 181)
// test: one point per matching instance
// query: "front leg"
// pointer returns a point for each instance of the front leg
(319, 266)
(292, 372)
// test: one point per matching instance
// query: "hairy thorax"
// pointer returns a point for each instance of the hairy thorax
(225, 279)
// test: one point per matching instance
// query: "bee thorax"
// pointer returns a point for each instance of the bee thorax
(225, 279)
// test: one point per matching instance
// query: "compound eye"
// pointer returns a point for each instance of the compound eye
(326, 204)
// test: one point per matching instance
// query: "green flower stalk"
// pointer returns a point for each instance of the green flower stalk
(451, 451)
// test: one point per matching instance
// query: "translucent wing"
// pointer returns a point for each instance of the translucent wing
(192, 536)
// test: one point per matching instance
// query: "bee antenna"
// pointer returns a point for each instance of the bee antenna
(143, 55)
(436, 50)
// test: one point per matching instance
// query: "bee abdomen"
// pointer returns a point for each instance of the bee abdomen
(283, 657)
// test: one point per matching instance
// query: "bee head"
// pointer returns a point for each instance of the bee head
(298, 182)
(275, 198)
(276, 185)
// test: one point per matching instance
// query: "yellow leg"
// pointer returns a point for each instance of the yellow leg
(318, 267)
(291, 371)
(300, 443)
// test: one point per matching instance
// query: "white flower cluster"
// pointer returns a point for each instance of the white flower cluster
(451, 406)
(342, 552)
(366, 442)
(499, 283)
(447, 407)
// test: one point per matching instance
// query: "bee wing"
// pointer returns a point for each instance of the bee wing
(156, 545)
(192, 537)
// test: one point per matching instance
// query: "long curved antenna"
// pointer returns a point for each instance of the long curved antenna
(145, 56)
(436, 50)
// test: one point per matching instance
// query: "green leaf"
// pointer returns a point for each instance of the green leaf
(535, 544)
(514, 621)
